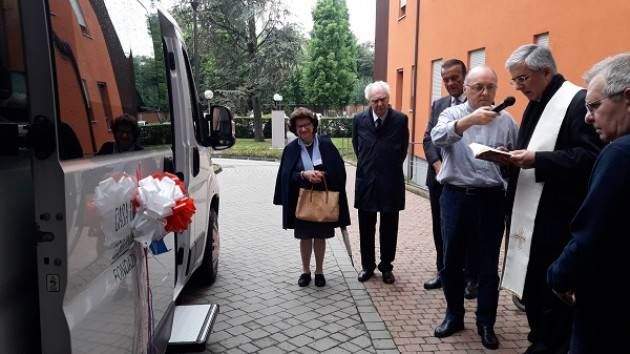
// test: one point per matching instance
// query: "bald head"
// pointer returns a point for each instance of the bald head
(480, 86)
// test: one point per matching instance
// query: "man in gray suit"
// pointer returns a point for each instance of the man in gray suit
(453, 73)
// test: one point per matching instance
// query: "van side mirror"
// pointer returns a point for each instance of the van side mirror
(221, 133)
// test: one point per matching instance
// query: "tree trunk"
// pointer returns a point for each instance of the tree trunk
(252, 48)
(258, 128)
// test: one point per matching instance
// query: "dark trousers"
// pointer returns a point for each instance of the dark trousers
(549, 319)
(467, 212)
(471, 269)
(388, 236)
(435, 191)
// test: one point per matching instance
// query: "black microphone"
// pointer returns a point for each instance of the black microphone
(508, 102)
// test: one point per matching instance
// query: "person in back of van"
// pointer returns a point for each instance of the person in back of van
(126, 132)
(305, 162)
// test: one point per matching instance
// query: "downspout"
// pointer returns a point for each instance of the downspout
(415, 93)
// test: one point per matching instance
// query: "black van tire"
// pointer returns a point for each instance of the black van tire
(207, 272)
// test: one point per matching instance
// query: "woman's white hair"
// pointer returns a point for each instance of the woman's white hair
(536, 57)
(382, 85)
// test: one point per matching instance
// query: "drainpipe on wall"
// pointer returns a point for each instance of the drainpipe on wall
(415, 93)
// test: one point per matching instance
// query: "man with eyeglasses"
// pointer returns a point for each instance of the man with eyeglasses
(597, 252)
(552, 161)
(380, 137)
(453, 72)
(473, 200)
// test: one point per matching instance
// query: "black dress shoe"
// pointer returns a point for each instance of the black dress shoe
(388, 278)
(434, 283)
(448, 327)
(488, 338)
(320, 280)
(537, 348)
(364, 275)
(304, 280)
(471, 290)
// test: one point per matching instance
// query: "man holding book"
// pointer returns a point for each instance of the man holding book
(473, 200)
(553, 156)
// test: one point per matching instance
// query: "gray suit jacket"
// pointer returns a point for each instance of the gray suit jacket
(432, 152)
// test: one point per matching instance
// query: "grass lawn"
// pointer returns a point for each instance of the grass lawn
(248, 148)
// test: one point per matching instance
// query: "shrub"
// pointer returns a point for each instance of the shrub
(334, 127)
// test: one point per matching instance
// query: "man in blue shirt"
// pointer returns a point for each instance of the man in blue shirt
(473, 200)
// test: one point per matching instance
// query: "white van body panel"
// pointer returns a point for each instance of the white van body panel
(104, 303)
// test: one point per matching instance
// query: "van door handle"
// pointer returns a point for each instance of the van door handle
(195, 171)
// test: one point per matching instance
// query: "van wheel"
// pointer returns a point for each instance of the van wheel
(207, 272)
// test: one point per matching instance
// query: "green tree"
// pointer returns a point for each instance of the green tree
(248, 50)
(331, 68)
(365, 71)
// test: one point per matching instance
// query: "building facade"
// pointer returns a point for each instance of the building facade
(422, 34)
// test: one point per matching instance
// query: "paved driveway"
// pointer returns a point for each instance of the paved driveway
(263, 309)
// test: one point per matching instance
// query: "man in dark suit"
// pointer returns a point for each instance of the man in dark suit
(589, 272)
(554, 154)
(380, 137)
(453, 73)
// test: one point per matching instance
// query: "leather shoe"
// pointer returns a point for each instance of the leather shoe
(304, 279)
(434, 283)
(364, 275)
(537, 348)
(320, 280)
(471, 290)
(388, 278)
(488, 338)
(448, 327)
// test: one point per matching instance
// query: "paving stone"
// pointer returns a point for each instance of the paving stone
(279, 316)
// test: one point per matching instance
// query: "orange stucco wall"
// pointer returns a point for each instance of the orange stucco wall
(580, 32)
(401, 53)
(94, 66)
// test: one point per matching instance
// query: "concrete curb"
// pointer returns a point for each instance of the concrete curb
(379, 334)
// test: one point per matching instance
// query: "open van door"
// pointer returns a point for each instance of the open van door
(91, 68)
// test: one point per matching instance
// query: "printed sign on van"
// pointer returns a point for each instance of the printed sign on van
(113, 200)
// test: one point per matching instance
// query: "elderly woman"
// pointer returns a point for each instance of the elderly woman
(306, 161)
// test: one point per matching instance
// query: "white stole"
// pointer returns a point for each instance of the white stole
(528, 191)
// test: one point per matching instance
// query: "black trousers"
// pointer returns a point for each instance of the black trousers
(471, 270)
(388, 236)
(467, 212)
(435, 192)
(549, 319)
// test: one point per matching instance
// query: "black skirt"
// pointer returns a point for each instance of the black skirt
(308, 229)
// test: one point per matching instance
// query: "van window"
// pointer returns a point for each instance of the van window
(109, 81)
(13, 91)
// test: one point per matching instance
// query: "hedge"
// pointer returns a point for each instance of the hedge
(334, 127)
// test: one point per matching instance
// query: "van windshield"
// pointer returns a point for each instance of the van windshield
(110, 75)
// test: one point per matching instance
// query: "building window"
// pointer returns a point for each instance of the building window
(399, 89)
(436, 79)
(542, 39)
(403, 8)
(79, 14)
(107, 106)
(476, 57)
(412, 96)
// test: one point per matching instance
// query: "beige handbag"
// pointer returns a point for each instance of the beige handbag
(317, 206)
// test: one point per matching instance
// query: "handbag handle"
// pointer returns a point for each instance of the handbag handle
(325, 187)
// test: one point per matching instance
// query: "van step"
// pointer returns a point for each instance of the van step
(192, 325)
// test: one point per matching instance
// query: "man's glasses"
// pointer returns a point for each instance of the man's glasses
(519, 80)
(592, 106)
(477, 88)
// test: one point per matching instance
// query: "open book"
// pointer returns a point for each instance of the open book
(490, 154)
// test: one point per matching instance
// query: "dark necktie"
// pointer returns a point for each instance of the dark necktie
(378, 122)
(456, 101)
